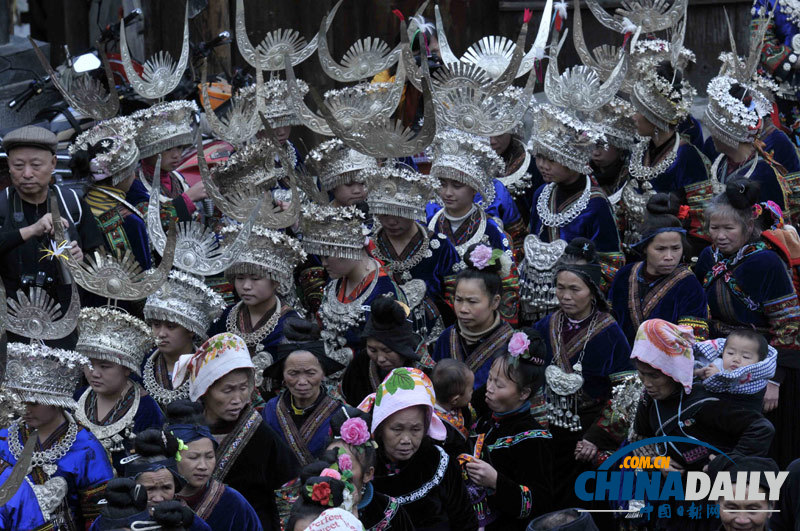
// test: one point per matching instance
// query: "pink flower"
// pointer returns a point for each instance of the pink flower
(519, 344)
(355, 431)
(330, 473)
(480, 256)
(345, 463)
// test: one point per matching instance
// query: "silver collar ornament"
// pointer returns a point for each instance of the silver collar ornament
(48, 459)
(161, 394)
(113, 436)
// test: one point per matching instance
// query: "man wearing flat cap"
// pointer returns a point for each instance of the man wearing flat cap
(26, 223)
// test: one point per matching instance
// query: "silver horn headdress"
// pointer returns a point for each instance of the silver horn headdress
(36, 316)
(83, 92)
(649, 15)
(197, 249)
(161, 73)
(240, 124)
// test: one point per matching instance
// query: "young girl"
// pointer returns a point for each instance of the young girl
(453, 383)
(341, 171)
(178, 313)
(512, 458)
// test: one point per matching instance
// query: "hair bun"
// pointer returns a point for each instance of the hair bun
(582, 248)
(185, 412)
(336, 491)
(297, 330)
(538, 348)
(664, 203)
(386, 313)
(153, 442)
(496, 268)
(743, 193)
(125, 493)
(173, 514)
(666, 71)
(79, 164)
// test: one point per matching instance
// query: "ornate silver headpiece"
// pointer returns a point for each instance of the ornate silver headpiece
(164, 126)
(331, 231)
(116, 278)
(467, 159)
(112, 335)
(615, 121)
(397, 191)
(197, 249)
(38, 317)
(120, 155)
(270, 53)
(337, 164)
(659, 101)
(650, 15)
(560, 136)
(497, 55)
(252, 166)
(351, 105)
(160, 73)
(43, 375)
(269, 253)
(276, 101)
(239, 125)
(185, 300)
(83, 92)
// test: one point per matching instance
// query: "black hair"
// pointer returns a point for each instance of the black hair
(305, 507)
(490, 275)
(80, 162)
(155, 443)
(124, 498)
(185, 412)
(752, 335)
(298, 330)
(449, 378)
(386, 313)
(364, 454)
(579, 250)
(173, 514)
(740, 93)
(674, 77)
(662, 213)
(737, 202)
(526, 373)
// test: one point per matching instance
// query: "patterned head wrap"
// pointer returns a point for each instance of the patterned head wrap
(668, 348)
(218, 356)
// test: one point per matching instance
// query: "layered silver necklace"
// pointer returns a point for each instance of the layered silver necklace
(643, 173)
(560, 219)
(404, 267)
(257, 336)
(161, 394)
(48, 459)
(113, 436)
(480, 235)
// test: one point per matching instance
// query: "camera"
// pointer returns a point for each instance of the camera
(38, 280)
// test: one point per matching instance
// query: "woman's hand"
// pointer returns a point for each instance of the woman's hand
(771, 397)
(482, 473)
(585, 451)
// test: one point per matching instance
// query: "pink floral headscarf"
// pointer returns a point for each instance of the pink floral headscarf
(668, 348)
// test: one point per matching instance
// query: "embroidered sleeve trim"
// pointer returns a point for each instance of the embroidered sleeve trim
(426, 488)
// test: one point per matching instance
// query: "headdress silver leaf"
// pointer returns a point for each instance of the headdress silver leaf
(83, 92)
(650, 15)
(36, 316)
(269, 54)
(161, 74)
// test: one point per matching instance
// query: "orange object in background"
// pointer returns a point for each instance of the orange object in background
(218, 93)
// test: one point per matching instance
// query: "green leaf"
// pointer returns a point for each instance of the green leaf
(378, 395)
(391, 385)
(405, 381)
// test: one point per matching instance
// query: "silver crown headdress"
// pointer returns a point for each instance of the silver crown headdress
(615, 121)
(185, 300)
(269, 54)
(110, 334)
(560, 136)
(467, 159)
(269, 253)
(398, 191)
(351, 105)
(44, 375)
(337, 164)
(120, 156)
(83, 92)
(499, 56)
(116, 278)
(160, 73)
(649, 15)
(197, 249)
(729, 118)
(164, 126)
(239, 204)
(331, 231)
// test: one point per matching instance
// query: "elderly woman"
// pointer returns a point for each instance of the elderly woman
(301, 413)
(747, 286)
(671, 406)
(582, 340)
(219, 505)
(250, 457)
(391, 343)
(660, 286)
(411, 467)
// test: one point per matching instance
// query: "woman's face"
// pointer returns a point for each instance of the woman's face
(402, 433)
(643, 126)
(457, 197)
(350, 194)
(197, 462)
(170, 159)
(160, 486)
(385, 358)
(502, 393)
(727, 234)
(302, 374)
(228, 396)
(38, 415)
(360, 476)
(395, 226)
(253, 289)
(338, 267)
(473, 306)
(500, 143)
(574, 296)
(605, 155)
(553, 172)
(106, 377)
(656, 384)
(171, 339)
(663, 253)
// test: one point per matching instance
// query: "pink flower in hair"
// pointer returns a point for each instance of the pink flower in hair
(345, 463)
(480, 256)
(355, 431)
(331, 473)
(519, 344)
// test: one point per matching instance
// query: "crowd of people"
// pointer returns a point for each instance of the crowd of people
(435, 329)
